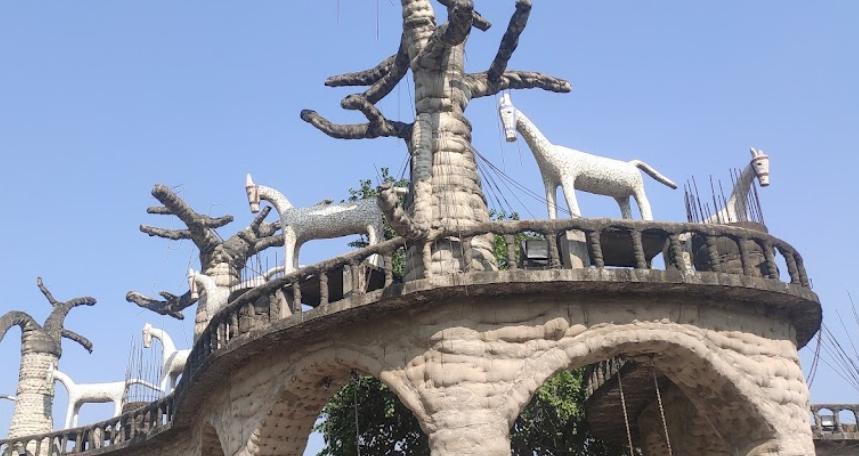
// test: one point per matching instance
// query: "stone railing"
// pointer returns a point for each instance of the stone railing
(597, 374)
(607, 242)
(830, 424)
(126, 429)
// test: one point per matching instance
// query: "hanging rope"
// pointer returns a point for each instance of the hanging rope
(661, 409)
(625, 415)
(357, 381)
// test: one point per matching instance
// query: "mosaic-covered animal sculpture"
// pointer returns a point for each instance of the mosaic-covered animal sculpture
(322, 221)
(571, 169)
(737, 207)
(214, 299)
(93, 393)
(172, 360)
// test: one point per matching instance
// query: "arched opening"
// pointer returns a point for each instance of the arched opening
(210, 443)
(701, 385)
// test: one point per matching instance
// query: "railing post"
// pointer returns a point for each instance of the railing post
(713, 254)
(389, 269)
(595, 248)
(426, 258)
(467, 254)
(638, 250)
(510, 241)
(323, 288)
(552, 250)
(772, 269)
(676, 252)
(742, 243)
(296, 297)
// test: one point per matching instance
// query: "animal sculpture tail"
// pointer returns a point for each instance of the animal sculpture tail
(653, 173)
(137, 381)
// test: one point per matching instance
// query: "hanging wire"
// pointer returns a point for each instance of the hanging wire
(357, 380)
(661, 409)
(625, 414)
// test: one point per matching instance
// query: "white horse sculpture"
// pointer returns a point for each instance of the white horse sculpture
(322, 221)
(93, 393)
(572, 169)
(213, 300)
(172, 360)
(736, 208)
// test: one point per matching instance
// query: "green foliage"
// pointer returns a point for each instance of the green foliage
(386, 426)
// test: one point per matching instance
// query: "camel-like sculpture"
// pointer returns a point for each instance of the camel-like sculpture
(214, 299)
(736, 208)
(571, 169)
(93, 393)
(172, 360)
(322, 221)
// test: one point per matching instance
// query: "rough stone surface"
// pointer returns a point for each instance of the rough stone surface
(466, 365)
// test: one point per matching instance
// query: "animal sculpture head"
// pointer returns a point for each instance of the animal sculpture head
(507, 112)
(147, 335)
(192, 283)
(253, 194)
(761, 165)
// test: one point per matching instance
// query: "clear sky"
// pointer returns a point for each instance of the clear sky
(100, 101)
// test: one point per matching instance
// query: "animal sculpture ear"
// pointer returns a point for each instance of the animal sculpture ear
(754, 152)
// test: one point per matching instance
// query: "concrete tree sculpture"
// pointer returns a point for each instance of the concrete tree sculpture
(221, 260)
(446, 188)
(41, 348)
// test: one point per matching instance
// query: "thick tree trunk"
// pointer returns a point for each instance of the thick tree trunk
(35, 395)
(447, 187)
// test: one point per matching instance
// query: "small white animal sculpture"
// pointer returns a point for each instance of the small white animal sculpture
(172, 360)
(322, 221)
(92, 393)
(572, 169)
(736, 208)
(214, 299)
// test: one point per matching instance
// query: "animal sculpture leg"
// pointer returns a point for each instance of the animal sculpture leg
(164, 379)
(297, 250)
(117, 408)
(625, 208)
(551, 189)
(373, 233)
(289, 254)
(75, 415)
(643, 204)
(569, 186)
(70, 413)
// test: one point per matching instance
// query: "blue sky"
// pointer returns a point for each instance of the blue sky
(100, 101)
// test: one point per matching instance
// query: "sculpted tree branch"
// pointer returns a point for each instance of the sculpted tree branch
(510, 40)
(385, 128)
(41, 346)
(450, 34)
(479, 22)
(388, 200)
(73, 336)
(220, 259)
(482, 87)
(171, 306)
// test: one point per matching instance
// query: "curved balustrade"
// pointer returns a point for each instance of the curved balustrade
(830, 424)
(128, 428)
(261, 305)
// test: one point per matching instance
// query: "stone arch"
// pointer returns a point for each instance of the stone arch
(716, 379)
(210, 441)
(283, 429)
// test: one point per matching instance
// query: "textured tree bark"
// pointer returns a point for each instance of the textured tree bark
(35, 395)
(446, 193)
